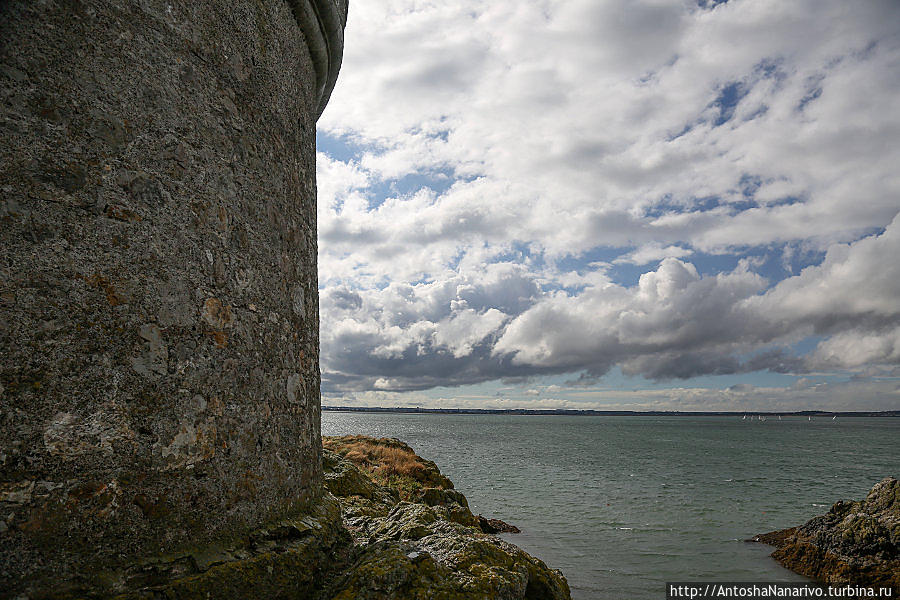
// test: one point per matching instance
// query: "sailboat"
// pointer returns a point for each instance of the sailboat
(810, 418)
(834, 418)
(779, 417)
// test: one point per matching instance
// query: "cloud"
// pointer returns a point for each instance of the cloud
(677, 324)
(855, 394)
(584, 101)
(674, 324)
(555, 186)
(855, 285)
(651, 253)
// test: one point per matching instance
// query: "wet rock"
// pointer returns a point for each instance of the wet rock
(496, 526)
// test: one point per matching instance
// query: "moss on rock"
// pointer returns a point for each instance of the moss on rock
(288, 559)
(427, 544)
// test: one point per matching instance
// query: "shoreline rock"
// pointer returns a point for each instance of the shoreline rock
(414, 535)
(855, 542)
(496, 525)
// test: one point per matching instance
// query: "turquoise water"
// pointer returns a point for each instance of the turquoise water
(624, 504)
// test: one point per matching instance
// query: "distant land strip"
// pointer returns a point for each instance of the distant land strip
(608, 413)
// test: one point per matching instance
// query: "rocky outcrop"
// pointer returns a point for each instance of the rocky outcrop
(855, 542)
(389, 526)
(414, 535)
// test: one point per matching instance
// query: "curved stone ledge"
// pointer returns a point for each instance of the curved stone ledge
(322, 23)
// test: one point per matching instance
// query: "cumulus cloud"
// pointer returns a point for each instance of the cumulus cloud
(508, 160)
(651, 253)
(677, 324)
(674, 323)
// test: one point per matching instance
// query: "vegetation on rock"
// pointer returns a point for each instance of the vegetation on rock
(414, 535)
(390, 463)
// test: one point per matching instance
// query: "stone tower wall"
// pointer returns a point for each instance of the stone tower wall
(158, 290)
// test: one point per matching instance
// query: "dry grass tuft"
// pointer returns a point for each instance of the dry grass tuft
(389, 462)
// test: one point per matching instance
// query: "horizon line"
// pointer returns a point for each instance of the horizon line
(590, 412)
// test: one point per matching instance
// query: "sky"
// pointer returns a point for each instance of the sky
(613, 204)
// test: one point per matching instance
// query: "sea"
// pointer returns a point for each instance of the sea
(624, 504)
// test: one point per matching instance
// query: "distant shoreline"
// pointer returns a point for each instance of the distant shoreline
(607, 413)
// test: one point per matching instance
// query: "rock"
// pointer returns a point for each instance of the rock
(426, 545)
(389, 462)
(344, 480)
(442, 497)
(855, 542)
(450, 504)
(496, 526)
(290, 558)
(407, 521)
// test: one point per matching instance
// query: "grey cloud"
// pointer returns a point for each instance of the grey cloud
(682, 365)
(341, 299)
(674, 324)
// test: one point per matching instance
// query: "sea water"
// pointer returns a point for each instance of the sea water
(623, 504)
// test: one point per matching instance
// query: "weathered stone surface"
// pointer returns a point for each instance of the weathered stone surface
(288, 559)
(855, 542)
(159, 393)
(159, 389)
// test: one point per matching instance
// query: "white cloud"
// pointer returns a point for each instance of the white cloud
(651, 253)
(653, 130)
(674, 324)
(857, 283)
